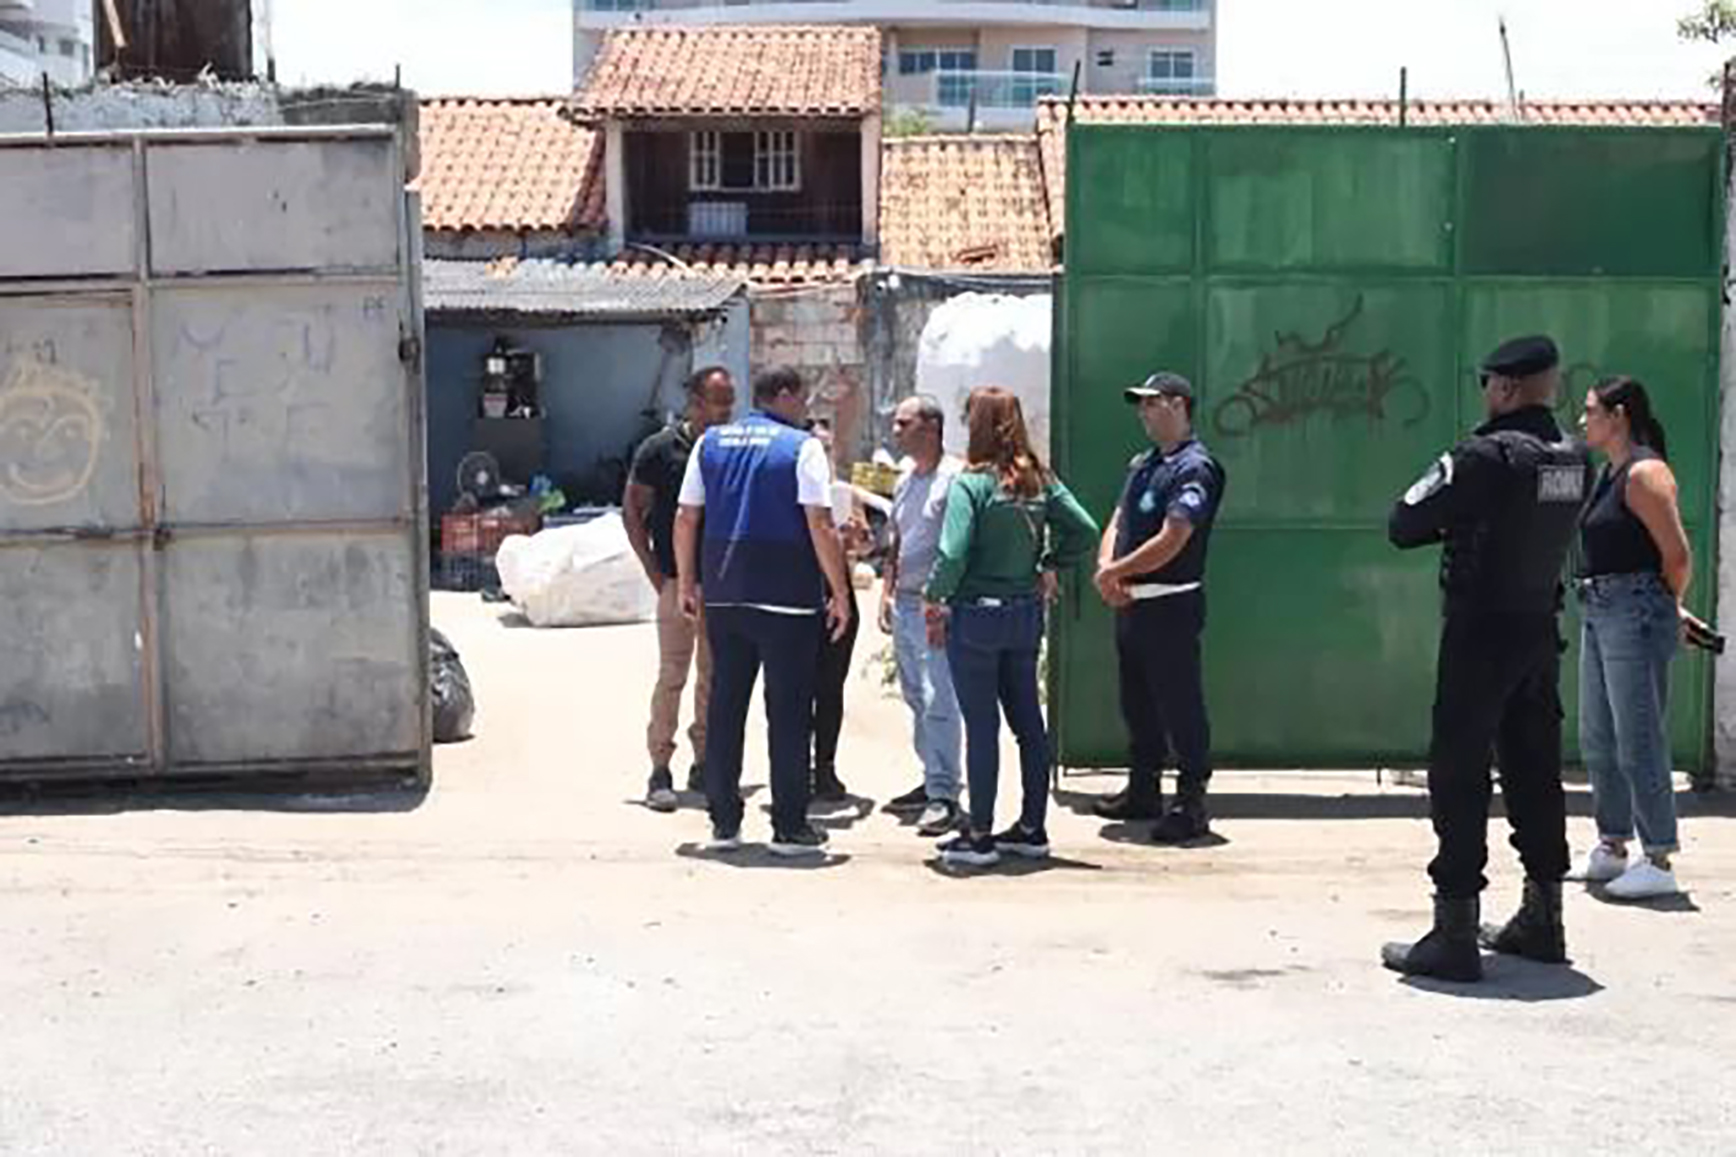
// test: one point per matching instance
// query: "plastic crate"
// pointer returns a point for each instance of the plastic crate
(465, 572)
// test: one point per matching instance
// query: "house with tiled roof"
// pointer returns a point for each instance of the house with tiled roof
(739, 140)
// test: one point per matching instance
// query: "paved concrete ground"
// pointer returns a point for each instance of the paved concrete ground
(526, 962)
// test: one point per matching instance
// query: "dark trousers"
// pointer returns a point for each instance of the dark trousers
(743, 640)
(829, 680)
(1497, 691)
(1163, 699)
(992, 651)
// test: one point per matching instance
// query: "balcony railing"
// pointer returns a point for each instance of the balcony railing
(958, 88)
(1177, 86)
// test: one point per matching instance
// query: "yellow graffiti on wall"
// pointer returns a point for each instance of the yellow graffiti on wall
(51, 431)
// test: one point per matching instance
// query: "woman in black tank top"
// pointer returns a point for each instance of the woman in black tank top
(1634, 571)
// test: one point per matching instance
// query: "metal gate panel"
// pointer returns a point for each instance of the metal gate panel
(212, 511)
(1330, 292)
(223, 207)
(289, 644)
(289, 403)
(67, 213)
(68, 424)
(72, 682)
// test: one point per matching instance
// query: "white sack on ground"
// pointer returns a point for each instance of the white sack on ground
(983, 339)
(577, 576)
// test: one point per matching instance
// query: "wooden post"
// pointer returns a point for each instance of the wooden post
(176, 40)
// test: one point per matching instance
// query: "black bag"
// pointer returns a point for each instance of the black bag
(449, 684)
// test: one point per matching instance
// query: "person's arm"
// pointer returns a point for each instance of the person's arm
(1073, 533)
(1112, 591)
(814, 494)
(687, 521)
(1195, 501)
(1651, 495)
(1453, 491)
(956, 532)
(635, 513)
(889, 583)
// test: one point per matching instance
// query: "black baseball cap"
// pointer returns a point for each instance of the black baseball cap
(1159, 385)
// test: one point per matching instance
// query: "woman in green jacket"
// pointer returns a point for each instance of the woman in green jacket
(1010, 525)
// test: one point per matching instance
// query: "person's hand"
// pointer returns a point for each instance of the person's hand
(690, 601)
(885, 616)
(658, 580)
(936, 618)
(838, 614)
(1049, 586)
(1689, 624)
(1111, 587)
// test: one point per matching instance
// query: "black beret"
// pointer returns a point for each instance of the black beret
(1522, 357)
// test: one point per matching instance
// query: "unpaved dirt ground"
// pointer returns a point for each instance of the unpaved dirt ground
(525, 961)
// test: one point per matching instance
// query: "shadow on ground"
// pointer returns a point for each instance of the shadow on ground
(1228, 804)
(1012, 866)
(293, 794)
(758, 856)
(1511, 979)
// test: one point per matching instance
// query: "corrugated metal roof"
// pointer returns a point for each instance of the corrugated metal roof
(543, 288)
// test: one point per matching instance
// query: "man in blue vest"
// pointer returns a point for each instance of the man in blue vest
(756, 542)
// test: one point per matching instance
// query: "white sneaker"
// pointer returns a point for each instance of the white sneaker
(1602, 865)
(1644, 881)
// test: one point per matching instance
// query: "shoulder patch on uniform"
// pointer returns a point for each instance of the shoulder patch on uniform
(1560, 484)
(1438, 477)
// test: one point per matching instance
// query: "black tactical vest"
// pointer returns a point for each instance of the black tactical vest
(1511, 561)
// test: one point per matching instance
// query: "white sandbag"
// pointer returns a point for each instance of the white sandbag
(988, 339)
(577, 576)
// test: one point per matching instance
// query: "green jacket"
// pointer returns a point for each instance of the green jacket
(993, 545)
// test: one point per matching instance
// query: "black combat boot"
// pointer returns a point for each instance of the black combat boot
(1142, 799)
(1187, 818)
(1536, 931)
(1448, 952)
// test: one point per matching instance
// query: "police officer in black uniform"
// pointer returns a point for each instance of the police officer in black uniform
(1504, 504)
(1151, 569)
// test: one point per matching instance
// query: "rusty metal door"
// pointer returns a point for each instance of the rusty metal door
(211, 442)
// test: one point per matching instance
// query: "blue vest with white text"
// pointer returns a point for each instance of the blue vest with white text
(756, 549)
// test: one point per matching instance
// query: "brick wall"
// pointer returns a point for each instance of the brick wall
(818, 331)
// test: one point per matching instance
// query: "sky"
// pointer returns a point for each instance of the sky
(1306, 48)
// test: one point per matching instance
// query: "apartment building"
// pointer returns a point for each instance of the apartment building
(45, 36)
(964, 63)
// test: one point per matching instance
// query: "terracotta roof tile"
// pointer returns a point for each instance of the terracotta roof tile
(1159, 110)
(733, 70)
(763, 266)
(515, 165)
(964, 202)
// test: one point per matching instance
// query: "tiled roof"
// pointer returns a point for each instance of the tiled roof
(765, 266)
(558, 289)
(513, 165)
(964, 202)
(734, 70)
(1160, 110)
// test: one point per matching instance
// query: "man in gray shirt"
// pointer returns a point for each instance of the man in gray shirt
(918, 510)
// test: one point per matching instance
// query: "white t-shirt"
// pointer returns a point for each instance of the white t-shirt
(813, 475)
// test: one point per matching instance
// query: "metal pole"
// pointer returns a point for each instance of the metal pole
(1403, 97)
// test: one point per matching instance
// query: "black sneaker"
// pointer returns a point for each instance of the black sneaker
(965, 850)
(1020, 841)
(723, 839)
(828, 788)
(938, 818)
(1183, 823)
(660, 791)
(806, 841)
(696, 778)
(911, 801)
(1128, 805)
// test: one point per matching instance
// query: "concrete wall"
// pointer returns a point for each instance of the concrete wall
(818, 331)
(1132, 52)
(598, 383)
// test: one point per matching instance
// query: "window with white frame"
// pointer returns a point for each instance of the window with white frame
(777, 163)
(767, 161)
(1033, 75)
(1171, 68)
(705, 160)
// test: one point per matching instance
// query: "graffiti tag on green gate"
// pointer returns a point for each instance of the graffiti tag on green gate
(1301, 378)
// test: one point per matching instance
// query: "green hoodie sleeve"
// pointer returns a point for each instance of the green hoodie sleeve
(1073, 533)
(956, 533)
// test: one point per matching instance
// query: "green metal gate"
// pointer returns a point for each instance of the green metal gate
(1330, 292)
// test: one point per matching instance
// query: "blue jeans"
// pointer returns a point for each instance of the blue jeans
(993, 653)
(925, 679)
(1630, 635)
